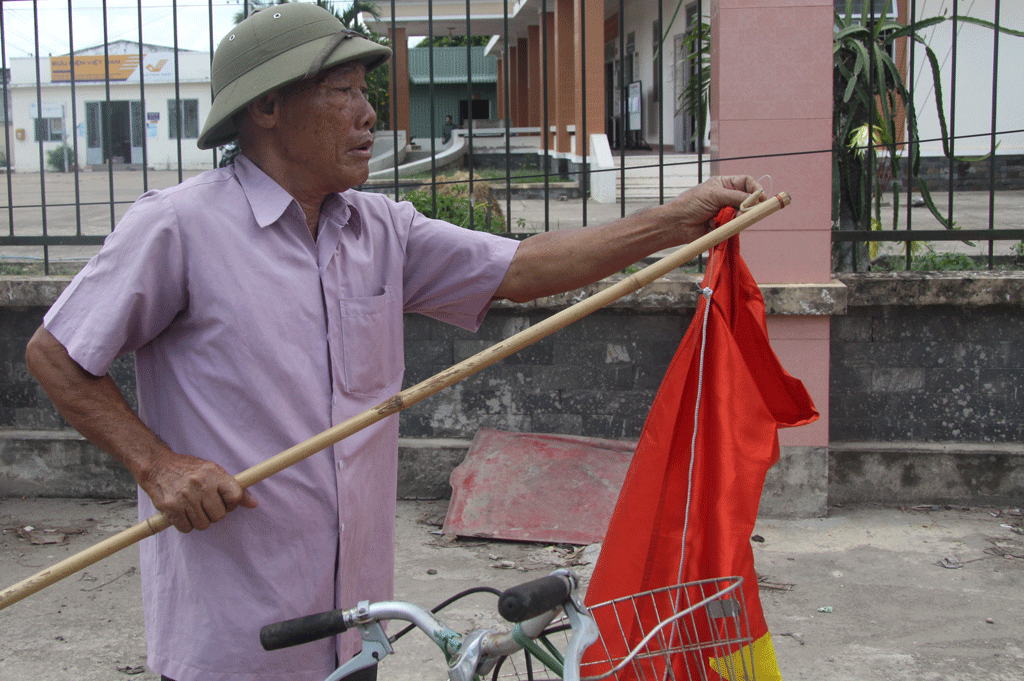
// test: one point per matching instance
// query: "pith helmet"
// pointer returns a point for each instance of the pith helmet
(273, 47)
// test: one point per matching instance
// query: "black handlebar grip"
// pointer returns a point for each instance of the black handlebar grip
(302, 630)
(528, 600)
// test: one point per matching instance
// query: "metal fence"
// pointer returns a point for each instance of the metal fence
(81, 147)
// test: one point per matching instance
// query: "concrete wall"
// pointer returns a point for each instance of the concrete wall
(926, 389)
(595, 378)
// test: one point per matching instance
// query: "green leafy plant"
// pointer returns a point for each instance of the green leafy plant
(933, 261)
(1018, 252)
(60, 159)
(695, 96)
(454, 205)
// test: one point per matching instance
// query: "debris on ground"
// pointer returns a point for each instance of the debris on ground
(41, 536)
(131, 670)
(763, 583)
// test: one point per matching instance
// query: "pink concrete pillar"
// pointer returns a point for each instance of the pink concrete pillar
(399, 84)
(771, 93)
(552, 79)
(536, 101)
(523, 83)
(589, 13)
(500, 85)
(512, 70)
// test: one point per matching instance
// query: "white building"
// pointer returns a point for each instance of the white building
(129, 120)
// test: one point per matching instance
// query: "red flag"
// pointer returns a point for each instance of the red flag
(690, 498)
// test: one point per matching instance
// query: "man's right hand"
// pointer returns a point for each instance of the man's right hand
(192, 493)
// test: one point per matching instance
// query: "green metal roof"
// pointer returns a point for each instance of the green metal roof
(450, 66)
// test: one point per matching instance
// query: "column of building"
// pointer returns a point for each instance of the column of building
(766, 96)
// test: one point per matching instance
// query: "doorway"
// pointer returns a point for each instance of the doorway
(114, 132)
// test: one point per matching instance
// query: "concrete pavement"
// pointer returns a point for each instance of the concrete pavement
(866, 593)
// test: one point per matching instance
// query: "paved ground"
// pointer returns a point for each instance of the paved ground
(85, 208)
(866, 593)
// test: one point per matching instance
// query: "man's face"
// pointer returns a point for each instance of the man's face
(327, 129)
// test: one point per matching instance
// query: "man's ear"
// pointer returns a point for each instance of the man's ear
(264, 109)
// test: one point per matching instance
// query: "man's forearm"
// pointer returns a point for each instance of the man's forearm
(559, 261)
(93, 405)
(553, 262)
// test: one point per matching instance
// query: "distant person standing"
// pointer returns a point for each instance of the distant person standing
(446, 133)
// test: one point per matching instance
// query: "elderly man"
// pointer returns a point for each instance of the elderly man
(263, 303)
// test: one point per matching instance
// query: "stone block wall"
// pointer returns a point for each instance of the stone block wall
(596, 377)
(925, 392)
(926, 389)
(948, 367)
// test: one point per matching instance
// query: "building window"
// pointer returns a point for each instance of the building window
(189, 109)
(49, 129)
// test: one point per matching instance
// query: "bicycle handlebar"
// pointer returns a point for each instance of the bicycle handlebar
(521, 602)
(302, 630)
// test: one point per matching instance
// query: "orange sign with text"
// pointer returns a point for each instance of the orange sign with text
(116, 67)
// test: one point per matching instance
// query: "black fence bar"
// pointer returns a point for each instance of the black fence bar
(620, 88)
(106, 116)
(433, 113)
(39, 113)
(581, 135)
(992, 144)
(178, 108)
(210, 19)
(952, 107)
(7, 126)
(545, 129)
(142, 101)
(912, 140)
(74, 120)
(506, 66)
(659, 87)
(469, 118)
(54, 240)
(394, 93)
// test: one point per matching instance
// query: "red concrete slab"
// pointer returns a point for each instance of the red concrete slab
(541, 488)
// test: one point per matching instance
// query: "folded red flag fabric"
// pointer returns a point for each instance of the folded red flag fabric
(690, 498)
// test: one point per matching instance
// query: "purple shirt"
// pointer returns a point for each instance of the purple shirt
(249, 337)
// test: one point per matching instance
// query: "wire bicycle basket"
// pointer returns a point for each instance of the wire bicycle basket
(697, 631)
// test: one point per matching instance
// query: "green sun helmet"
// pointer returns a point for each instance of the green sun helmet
(271, 48)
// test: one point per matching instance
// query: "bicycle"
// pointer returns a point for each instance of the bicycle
(696, 630)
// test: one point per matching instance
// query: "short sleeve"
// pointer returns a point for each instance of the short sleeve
(452, 273)
(128, 293)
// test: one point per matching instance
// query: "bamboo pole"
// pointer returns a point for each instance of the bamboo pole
(407, 397)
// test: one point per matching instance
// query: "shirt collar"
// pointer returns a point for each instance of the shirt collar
(269, 200)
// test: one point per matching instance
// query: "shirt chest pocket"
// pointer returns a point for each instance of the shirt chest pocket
(369, 353)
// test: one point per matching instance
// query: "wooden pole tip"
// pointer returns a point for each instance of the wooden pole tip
(784, 199)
